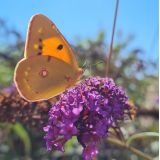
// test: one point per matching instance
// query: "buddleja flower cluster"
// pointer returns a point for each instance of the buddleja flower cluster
(87, 111)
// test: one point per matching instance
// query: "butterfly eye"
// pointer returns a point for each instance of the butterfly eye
(60, 46)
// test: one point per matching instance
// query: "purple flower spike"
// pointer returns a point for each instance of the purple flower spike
(90, 152)
(87, 111)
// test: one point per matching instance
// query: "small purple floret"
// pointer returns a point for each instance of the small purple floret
(87, 111)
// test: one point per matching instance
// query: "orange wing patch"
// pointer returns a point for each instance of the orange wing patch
(56, 48)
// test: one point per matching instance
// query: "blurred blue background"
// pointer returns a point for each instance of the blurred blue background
(85, 19)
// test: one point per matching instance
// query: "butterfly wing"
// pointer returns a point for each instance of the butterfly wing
(45, 39)
(49, 66)
(39, 78)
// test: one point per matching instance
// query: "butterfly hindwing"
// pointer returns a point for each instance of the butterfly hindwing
(45, 80)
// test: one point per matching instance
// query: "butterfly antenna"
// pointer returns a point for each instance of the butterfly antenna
(112, 37)
(88, 66)
(84, 64)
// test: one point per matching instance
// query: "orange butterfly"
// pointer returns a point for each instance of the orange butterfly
(49, 66)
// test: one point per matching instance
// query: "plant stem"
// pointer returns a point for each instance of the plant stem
(112, 37)
(132, 149)
(142, 135)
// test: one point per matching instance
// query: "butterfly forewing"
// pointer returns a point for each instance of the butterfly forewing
(45, 39)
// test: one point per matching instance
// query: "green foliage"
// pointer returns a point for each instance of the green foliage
(142, 135)
(23, 135)
(6, 73)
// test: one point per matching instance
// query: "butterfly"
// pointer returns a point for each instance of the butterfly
(49, 66)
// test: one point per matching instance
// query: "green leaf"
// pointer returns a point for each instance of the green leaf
(141, 136)
(23, 135)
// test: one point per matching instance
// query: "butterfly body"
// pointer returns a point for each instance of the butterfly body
(49, 66)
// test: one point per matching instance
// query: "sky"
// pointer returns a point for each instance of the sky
(85, 18)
